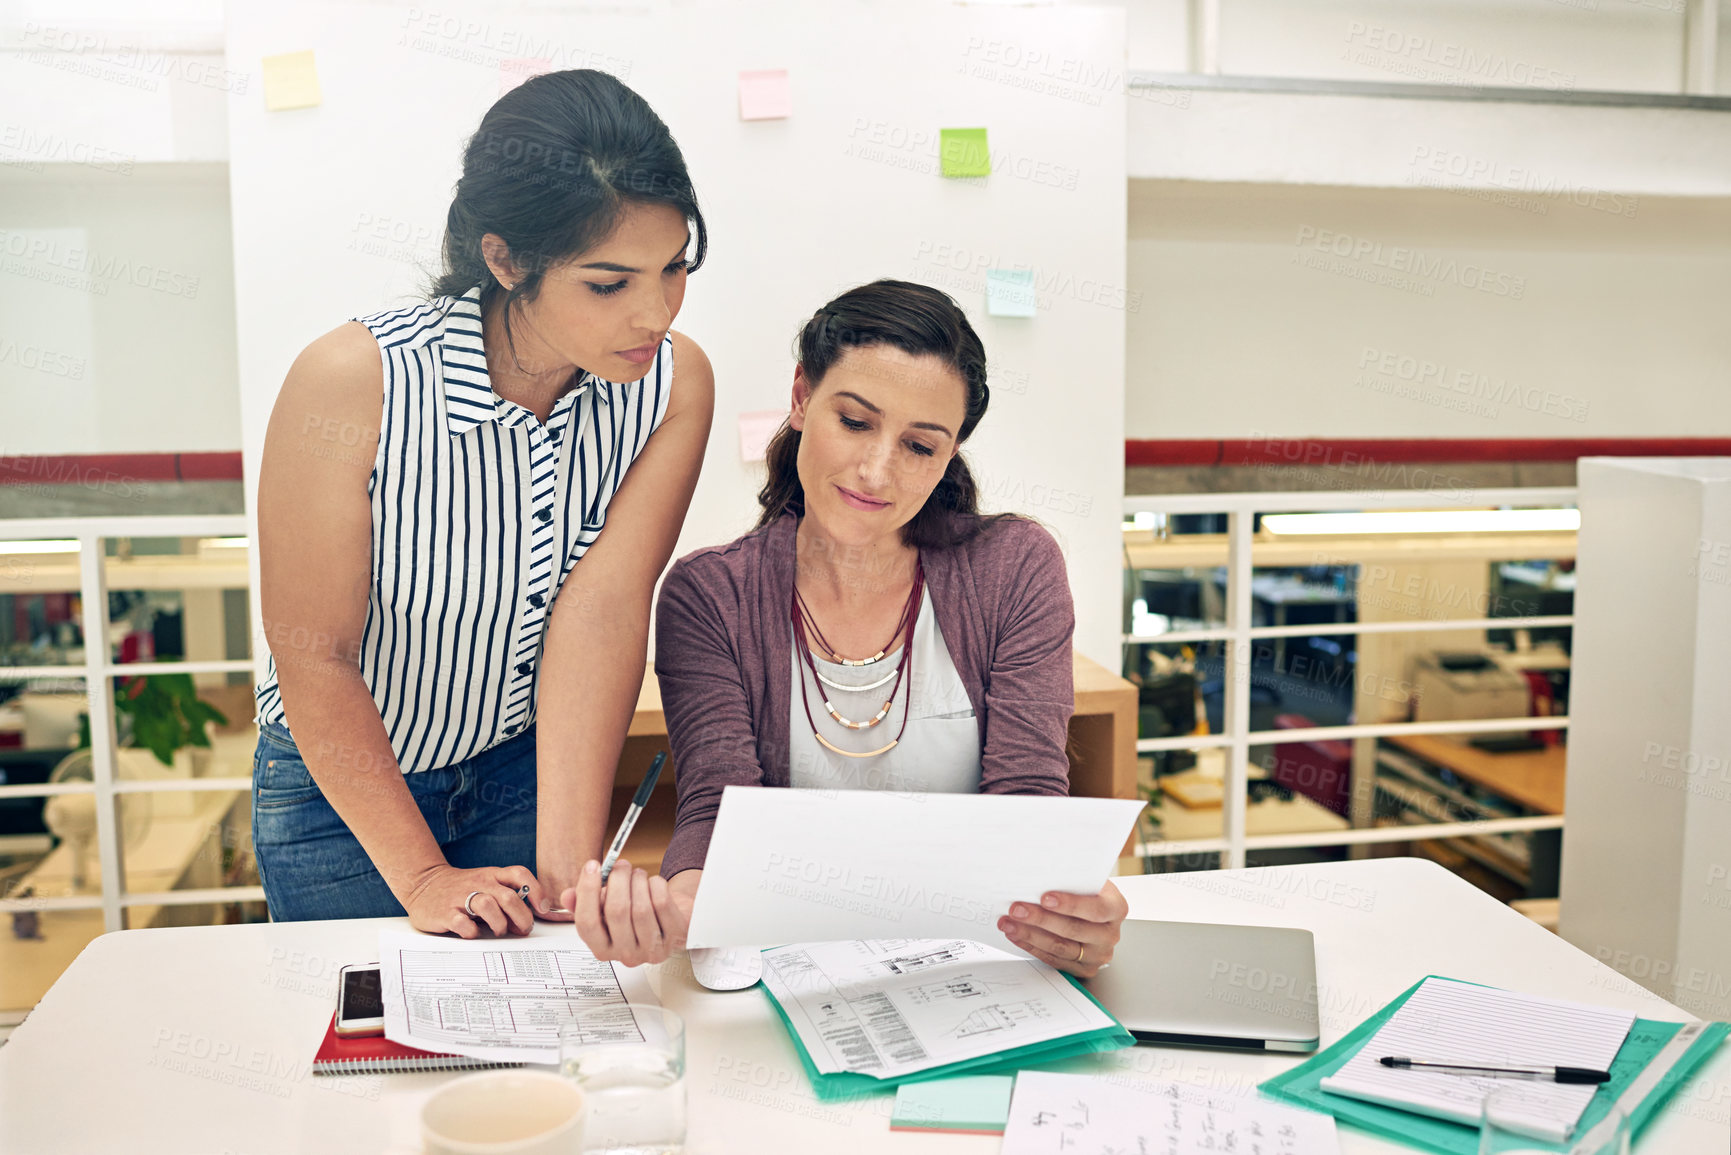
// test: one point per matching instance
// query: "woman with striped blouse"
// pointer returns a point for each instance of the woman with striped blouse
(464, 506)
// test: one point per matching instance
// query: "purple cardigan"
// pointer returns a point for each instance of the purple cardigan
(724, 656)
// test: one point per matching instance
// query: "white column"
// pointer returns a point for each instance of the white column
(1647, 854)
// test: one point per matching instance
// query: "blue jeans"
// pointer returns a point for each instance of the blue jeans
(481, 811)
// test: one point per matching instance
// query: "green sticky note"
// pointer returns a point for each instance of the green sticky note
(963, 152)
(1010, 292)
(976, 1104)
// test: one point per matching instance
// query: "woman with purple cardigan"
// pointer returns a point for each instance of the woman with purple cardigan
(873, 632)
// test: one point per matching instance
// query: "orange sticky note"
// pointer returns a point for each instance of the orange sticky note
(291, 80)
(765, 95)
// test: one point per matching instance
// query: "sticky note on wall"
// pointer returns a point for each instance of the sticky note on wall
(756, 430)
(291, 80)
(963, 152)
(765, 95)
(1010, 292)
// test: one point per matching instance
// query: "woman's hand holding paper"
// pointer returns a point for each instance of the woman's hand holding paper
(1073, 932)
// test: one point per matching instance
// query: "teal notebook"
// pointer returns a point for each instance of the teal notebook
(850, 1085)
(964, 1104)
(1302, 1086)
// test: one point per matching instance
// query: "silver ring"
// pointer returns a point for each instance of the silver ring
(469, 909)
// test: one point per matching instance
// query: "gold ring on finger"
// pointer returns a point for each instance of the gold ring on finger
(1080, 951)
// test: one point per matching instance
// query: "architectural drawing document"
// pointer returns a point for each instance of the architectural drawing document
(1086, 1115)
(888, 1007)
(501, 999)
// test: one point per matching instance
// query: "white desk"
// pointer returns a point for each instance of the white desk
(198, 1038)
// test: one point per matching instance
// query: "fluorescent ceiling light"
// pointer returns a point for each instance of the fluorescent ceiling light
(1426, 521)
(70, 546)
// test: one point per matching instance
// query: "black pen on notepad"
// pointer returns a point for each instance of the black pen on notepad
(1545, 1074)
(638, 802)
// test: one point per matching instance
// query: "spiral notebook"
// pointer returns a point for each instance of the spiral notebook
(376, 1054)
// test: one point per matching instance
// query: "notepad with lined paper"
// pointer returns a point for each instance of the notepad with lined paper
(1454, 1022)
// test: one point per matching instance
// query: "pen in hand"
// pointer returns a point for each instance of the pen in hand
(1546, 1074)
(638, 802)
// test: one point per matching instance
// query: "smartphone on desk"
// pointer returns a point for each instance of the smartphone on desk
(360, 1003)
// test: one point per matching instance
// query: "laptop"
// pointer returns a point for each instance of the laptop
(1211, 985)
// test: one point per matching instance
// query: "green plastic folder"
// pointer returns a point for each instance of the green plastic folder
(851, 1085)
(1302, 1086)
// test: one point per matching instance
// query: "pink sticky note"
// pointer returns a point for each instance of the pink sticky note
(765, 95)
(517, 69)
(755, 431)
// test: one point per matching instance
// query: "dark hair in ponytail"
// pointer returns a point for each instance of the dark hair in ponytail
(554, 165)
(916, 319)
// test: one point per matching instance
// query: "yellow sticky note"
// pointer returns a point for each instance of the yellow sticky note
(291, 81)
(963, 152)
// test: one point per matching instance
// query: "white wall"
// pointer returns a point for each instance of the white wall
(1646, 883)
(116, 310)
(843, 192)
(1254, 319)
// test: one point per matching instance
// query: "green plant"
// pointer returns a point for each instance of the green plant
(166, 714)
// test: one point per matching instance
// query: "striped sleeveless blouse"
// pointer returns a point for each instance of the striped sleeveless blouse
(479, 513)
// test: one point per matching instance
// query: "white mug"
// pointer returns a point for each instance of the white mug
(504, 1113)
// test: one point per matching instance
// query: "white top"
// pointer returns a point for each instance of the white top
(939, 753)
(199, 1038)
(480, 512)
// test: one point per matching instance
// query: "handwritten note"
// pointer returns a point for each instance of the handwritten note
(1084, 1115)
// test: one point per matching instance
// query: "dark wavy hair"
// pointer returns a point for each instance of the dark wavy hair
(555, 163)
(916, 319)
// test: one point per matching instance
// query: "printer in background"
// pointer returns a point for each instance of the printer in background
(1456, 685)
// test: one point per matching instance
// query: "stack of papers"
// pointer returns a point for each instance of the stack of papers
(1454, 1022)
(893, 1009)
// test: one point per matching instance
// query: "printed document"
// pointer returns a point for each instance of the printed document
(501, 999)
(1087, 1115)
(892, 1007)
(824, 865)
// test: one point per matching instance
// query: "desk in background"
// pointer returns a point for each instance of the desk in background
(1498, 786)
(198, 1038)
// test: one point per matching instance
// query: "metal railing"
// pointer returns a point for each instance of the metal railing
(98, 668)
(1236, 736)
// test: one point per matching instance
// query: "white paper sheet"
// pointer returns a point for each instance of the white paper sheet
(500, 999)
(890, 1007)
(1453, 1022)
(1088, 1115)
(821, 865)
